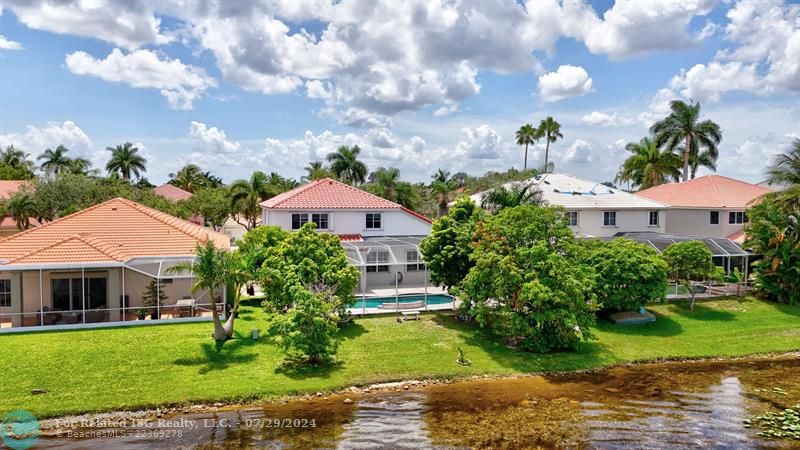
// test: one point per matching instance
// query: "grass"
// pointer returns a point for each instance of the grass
(148, 366)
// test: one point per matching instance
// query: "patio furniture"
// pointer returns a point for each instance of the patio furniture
(410, 315)
(402, 305)
(184, 307)
(95, 316)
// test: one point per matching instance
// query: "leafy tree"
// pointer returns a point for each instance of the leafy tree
(524, 285)
(774, 232)
(689, 261)
(212, 204)
(255, 243)
(15, 165)
(308, 285)
(154, 295)
(22, 208)
(447, 250)
(189, 178)
(519, 194)
(14, 173)
(280, 184)
(346, 165)
(785, 172)
(550, 130)
(125, 159)
(648, 166)
(246, 197)
(79, 166)
(316, 170)
(386, 183)
(629, 274)
(209, 270)
(460, 178)
(527, 135)
(683, 126)
(54, 161)
(442, 187)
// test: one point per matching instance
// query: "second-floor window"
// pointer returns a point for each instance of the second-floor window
(737, 217)
(713, 218)
(321, 220)
(653, 222)
(374, 221)
(375, 259)
(609, 218)
(298, 220)
(572, 218)
(414, 262)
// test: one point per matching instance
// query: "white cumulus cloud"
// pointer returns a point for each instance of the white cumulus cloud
(212, 138)
(603, 119)
(567, 81)
(8, 44)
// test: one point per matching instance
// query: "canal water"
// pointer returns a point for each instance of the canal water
(669, 406)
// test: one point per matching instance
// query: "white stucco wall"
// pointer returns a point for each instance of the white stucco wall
(395, 222)
(697, 222)
(590, 222)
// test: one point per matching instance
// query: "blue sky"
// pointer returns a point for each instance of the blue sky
(240, 86)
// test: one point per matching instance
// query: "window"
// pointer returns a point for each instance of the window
(414, 261)
(298, 220)
(67, 293)
(374, 221)
(609, 218)
(572, 218)
(737, 217)
(714, 218)
(5, 293)
(320, 220)
(653, 219)
(378, 257)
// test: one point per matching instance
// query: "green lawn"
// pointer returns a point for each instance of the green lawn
(136, 367)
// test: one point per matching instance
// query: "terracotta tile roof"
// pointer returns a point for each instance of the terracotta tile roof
(10, 187)
(710, 191)
(350, 237)
(737, 236)
(331, 194)
(114, 231)
(172, 193)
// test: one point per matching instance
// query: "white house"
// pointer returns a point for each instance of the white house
(712, 205)
(594, 209)
(379, 236)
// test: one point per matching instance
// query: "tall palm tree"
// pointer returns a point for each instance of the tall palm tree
(785, 172)
(315, 170)
(387, 181)
(21, 208)
(54, 161)
(683, 126)
(346, 166)
(209, 272)
(703, 159)
(246, 197)
(550, 130)
(211, 181)
(442, 187)
(189, 178)
(527, 135)
(125, 159)
(648, 165)
(517, 195)
(79, 166)
(16, 158)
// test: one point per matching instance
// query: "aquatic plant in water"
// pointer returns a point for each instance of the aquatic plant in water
(778, 425)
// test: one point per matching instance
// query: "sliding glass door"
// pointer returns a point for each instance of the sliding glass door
(67, 293)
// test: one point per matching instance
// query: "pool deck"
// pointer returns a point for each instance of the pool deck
(390, 292)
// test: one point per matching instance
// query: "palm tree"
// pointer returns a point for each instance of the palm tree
(387, 181)
(54, 161)
(683, 125)
(315, 170)
(785, 172)
(518, 195)
(550, 130)
(443, 187)
(346, 166)
(189, 178)
(16, 158)
(246, 197)
(21, 208)
(648, 165)
(125, 159)
(212, 181)
(209, 272)
(527, 135)
(703, 159)
(79, 166)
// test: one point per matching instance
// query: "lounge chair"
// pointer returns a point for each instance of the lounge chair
(401, 305)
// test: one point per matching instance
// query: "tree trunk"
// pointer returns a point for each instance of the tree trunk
(219, 332)
(525, 164)
(235, 310)
(686, 157)
(546, 153)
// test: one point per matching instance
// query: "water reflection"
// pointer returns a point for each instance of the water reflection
(690, 405)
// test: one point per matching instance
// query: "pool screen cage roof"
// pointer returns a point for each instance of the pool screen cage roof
(719, 247)
(394, 247)
(160, 267)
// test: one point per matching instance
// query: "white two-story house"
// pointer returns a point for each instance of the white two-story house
(594, 209)
(711, 205)
(380, 237)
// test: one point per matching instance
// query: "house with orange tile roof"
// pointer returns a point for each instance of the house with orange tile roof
(712, 205)
(380, 237)
(172, 193)
(95, 265)
(7, 189)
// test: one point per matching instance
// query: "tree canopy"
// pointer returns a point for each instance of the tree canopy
(774, 232)
(689, 261)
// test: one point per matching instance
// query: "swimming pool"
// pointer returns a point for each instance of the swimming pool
(433, 299)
